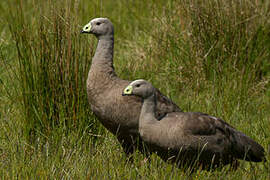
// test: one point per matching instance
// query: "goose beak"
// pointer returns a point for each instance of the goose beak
(127, 91)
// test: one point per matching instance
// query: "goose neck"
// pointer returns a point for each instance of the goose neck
(148, 110)
(104, 51)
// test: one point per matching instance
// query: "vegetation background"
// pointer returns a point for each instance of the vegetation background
(209, 56)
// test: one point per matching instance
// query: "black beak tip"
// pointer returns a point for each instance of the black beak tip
(123, 94)
(82, 31)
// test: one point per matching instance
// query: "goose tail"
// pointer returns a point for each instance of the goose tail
(248, 149)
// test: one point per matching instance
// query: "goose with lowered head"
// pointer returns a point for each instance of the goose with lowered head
(191, 137)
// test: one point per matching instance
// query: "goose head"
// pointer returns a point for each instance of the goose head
(140, 87)
(99, 27)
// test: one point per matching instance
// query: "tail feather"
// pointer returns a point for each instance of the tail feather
(247, 149)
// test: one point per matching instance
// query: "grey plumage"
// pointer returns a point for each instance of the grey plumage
(188, 137)
(118, 114)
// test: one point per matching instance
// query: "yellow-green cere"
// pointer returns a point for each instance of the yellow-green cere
(87, 27)
(128, 90)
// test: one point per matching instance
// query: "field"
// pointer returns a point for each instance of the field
(208, 56)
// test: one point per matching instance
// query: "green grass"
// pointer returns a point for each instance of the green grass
(209, 56)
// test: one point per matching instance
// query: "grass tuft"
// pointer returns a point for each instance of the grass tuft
(53, 64)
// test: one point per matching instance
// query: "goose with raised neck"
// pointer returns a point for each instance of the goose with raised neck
(120, 115)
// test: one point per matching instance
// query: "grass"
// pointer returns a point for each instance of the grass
(208, 56)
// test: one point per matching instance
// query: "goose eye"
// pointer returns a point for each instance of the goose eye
(98, 23)
(137, 85)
